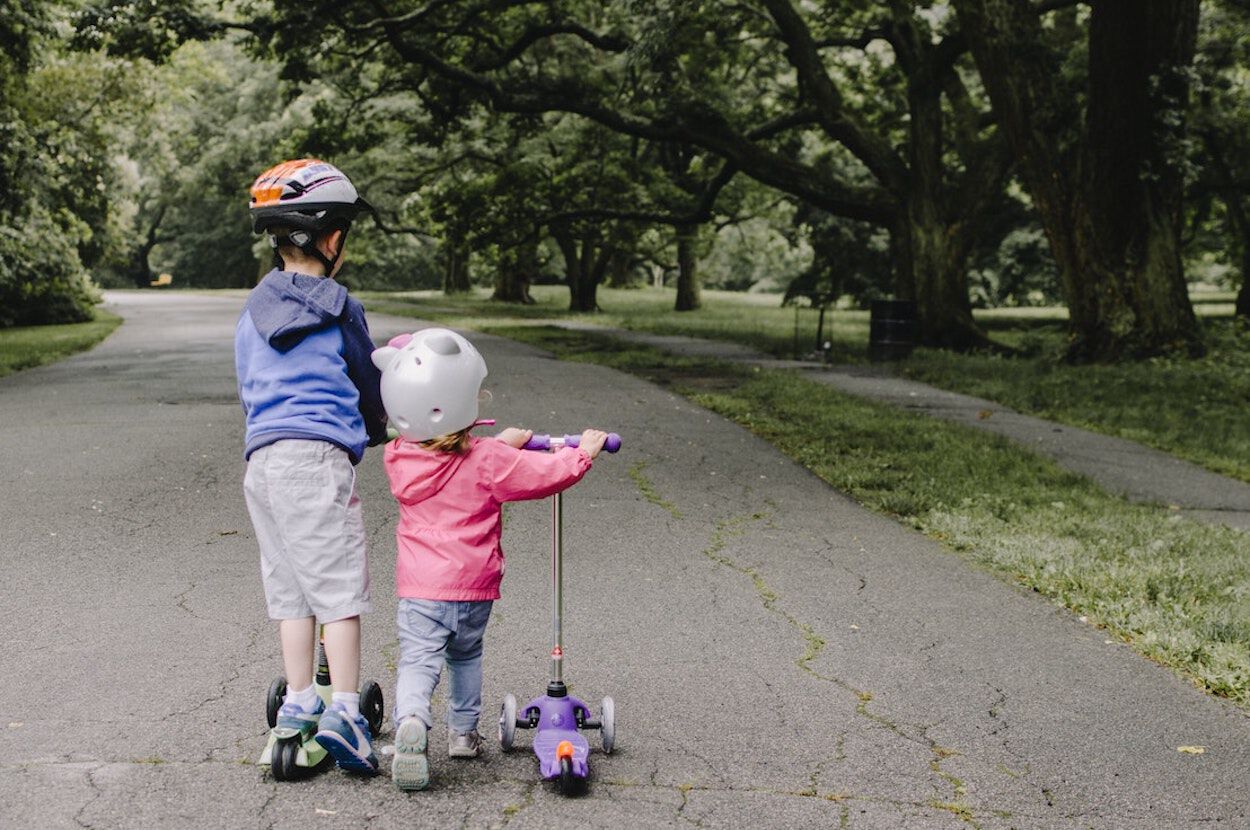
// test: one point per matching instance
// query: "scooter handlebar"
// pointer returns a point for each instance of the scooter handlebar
(555, 442)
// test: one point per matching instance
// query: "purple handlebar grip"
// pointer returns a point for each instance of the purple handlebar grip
(543, 442)
(538, 442)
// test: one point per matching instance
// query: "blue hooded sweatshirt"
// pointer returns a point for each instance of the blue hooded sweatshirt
(302, 355)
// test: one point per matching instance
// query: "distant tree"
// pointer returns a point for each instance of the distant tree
(853, 107)
(1221, 153)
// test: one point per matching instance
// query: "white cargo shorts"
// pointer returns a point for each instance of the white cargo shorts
(313, 559)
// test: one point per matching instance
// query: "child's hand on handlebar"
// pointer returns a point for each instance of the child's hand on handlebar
(592, 441)
(515, 437)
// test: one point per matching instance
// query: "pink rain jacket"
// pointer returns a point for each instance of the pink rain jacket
(451, 511)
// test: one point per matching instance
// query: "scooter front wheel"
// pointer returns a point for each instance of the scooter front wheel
(607, 724)
(284, 766)
(507, 722)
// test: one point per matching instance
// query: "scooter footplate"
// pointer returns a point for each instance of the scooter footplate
(546, 743)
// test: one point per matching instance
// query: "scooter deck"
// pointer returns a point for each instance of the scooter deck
(557, 723)
(546, 747)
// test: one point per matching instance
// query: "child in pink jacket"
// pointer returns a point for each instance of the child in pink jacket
(451, 487)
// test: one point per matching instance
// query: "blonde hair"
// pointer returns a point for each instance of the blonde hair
(457, 442)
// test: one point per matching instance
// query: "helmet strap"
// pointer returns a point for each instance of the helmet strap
(312, 250)
(309, 247)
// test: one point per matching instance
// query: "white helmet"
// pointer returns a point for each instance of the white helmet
(430, 382)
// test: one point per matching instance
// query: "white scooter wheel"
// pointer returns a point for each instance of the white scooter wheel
(507, 722)
(607, 724)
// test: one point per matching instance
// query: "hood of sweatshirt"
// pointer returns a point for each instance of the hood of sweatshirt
(286, 306)
(417, 473)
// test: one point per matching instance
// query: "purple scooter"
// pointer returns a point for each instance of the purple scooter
(561, 748)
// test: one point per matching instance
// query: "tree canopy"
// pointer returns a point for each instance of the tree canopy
(954, 152)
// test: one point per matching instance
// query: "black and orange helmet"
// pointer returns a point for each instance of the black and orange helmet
(304, 194)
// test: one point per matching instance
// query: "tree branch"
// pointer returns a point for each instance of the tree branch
(533, 34)
(1054, 5)
(703, 211)
(802, 52)
(689, 123)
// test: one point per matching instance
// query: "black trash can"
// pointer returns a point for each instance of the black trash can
(892, 329)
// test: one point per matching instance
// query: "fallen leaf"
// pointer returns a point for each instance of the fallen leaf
(1191, 750)
(984, 413)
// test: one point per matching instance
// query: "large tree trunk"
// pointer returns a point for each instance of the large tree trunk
(517, 267)
(938, 262)
(687, 268)
(1112, 214)
(456, 267)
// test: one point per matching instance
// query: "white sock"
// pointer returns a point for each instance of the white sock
(305, 698)
(350, 701)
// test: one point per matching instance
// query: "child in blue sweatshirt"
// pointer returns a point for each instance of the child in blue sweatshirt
(312, 400)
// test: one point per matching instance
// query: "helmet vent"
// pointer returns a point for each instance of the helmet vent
(443, 345)
(436, 415)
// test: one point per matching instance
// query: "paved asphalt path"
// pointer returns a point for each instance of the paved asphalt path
(779, 656)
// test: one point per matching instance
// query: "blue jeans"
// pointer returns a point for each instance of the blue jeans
(432, 632)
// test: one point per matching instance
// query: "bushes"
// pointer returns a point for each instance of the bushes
(41, 278)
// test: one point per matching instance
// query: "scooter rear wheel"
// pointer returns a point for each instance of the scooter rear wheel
(567, 782)
(371, 705)
(507, 722)
(273, 700)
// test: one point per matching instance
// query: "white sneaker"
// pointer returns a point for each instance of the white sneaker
(410, 769)
(464, 744)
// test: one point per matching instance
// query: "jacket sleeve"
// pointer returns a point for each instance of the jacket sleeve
(517, 475)
(357, 349)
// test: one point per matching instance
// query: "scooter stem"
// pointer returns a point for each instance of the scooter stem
(557, 592)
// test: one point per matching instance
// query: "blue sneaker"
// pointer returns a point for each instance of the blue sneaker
(294, 720)
(347, 738)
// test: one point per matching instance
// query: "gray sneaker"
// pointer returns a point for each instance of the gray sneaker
(410, 770)
(464, 744)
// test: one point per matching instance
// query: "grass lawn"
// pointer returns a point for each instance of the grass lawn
(1195, 409)
(24, 347)
(1177, 591)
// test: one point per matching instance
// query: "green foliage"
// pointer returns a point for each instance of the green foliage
(41, 278)
(50, 207)
(1020, 272)
(849, 259)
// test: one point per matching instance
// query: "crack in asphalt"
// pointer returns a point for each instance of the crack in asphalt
(96, 795)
